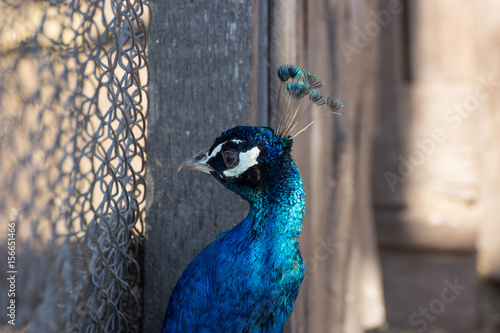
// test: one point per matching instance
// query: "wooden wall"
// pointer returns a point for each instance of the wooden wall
(435, 175)
(436, 145)
(206, 77)
(426, 173)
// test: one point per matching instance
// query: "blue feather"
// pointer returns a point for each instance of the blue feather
(315, 97)
(311, 79)
(293, 71)
(297, 90)
(283, 73)
(334, 104)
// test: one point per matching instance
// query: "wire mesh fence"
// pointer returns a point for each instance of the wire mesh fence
(73, 109)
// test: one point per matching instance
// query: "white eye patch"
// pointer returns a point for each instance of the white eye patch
(219, 147)
(247, 159)
(216, 150)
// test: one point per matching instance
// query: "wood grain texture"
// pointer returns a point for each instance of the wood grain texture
(342, 290)
(287, 46)
(200, 65)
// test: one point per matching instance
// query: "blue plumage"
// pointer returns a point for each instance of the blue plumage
(247, 280)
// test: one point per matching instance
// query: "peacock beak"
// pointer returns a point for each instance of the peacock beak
(197, 162)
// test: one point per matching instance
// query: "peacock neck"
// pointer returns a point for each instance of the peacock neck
(280, 208)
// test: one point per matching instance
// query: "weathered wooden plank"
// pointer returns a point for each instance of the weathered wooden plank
(342, 291)
(287, 46)
(200, 67)
(259, 105)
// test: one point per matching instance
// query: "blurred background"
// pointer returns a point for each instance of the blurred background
(100, 101)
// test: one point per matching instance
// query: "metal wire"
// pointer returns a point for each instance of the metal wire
(73, 110)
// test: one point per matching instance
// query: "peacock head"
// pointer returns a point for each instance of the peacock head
(247, 159)
(244, 159)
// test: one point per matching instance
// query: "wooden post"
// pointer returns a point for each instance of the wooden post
(342, 291)
(200, 57)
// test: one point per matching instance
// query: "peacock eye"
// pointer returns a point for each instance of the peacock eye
(230, 158)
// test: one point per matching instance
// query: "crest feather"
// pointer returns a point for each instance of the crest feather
(296, 83)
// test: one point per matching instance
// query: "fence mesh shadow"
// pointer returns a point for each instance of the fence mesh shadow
(73, 109)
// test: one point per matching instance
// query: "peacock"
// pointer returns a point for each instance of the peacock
(247, 280)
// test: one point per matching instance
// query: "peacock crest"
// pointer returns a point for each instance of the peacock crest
(296, 84)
